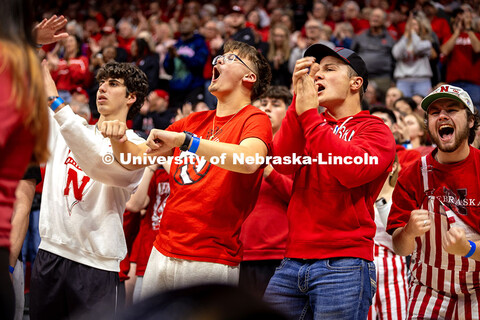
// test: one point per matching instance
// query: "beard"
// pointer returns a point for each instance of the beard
(460, 137)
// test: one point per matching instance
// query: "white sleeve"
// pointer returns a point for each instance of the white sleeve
(89, 149)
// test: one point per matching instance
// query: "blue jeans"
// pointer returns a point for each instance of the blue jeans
(336, 288)
(413, 86)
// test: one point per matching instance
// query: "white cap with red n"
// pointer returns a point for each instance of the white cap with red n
(449, 92)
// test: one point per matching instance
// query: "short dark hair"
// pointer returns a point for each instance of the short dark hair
(388, 112)
(411, 103)
(261, 65)
(134, 79)
(278, 92)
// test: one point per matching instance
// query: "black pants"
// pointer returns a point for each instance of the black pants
(255, 275)
(61, 288)
(7, 297)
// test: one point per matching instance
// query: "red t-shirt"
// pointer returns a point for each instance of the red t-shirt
(264, 233)
(158, 192)
(456, 185)
(131, 225)
(16, 146)
(463, 64)
(207, 204)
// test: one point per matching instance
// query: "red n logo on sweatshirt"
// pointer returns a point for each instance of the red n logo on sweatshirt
(72, 178)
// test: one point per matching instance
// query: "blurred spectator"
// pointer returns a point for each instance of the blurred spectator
(70, 71)
(313, 34)
(163, 37)
(279, 54)
(264, 232)
(405, 105)
(126, 35)
(254, 22)
(372, 96)
(214, 42)
(412, 70)
(343, 35)
(439, 25)
(351, 12)
(321, 12)
(185, 62)
(392, 95)
(237, 23)
(418, 132)
(400, 133)
(154, 114)
(375, 46)
(146, 59)
(107, 39)
(462, 51)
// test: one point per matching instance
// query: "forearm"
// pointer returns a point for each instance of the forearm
(21, 211)
(448, 46)
(403, 243)
(139, 199)
(233, 157)
(474, 41)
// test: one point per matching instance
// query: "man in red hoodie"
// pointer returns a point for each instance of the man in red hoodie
(328, 272)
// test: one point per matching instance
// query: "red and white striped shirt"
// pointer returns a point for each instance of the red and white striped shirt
(443, 285)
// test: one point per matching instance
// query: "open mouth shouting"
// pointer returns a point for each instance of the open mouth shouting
(321, 87)
(215, 74)
(446, 132)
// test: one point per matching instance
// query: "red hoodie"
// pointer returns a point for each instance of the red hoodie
(331, 210)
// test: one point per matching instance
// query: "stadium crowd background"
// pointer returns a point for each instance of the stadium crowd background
(157, 35)
(410, 47)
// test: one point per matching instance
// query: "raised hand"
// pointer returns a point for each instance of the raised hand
(46, 31)
(304, 86)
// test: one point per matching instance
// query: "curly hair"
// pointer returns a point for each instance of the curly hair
(264, 74)
(134, 79)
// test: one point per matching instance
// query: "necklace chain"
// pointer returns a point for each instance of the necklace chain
(214, 133)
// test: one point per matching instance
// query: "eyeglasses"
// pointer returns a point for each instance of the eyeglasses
(230, 58)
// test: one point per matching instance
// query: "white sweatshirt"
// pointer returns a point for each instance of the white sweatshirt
(83, 200)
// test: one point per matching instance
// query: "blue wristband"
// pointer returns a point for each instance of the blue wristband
(473, 247)
(56, 103)
(195, 144)
(11, 269)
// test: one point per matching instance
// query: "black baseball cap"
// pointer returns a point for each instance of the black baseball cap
(320, 51)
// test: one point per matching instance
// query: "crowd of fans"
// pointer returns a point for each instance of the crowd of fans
(409, 47)
(413, 45)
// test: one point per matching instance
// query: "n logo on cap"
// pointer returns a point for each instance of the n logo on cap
(444, 89)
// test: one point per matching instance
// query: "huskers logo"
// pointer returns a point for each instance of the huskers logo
(76, 184)
(191, 170)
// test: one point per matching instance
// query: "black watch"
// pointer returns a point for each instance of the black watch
(186, 143)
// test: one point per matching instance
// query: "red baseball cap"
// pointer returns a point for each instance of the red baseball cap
(162, 94)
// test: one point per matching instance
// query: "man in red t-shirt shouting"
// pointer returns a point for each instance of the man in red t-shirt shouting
(212, 189)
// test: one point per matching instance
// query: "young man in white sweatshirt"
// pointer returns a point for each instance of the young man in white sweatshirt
(84, 196)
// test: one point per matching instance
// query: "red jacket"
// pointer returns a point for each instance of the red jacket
(71, 74)
(331, 210)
